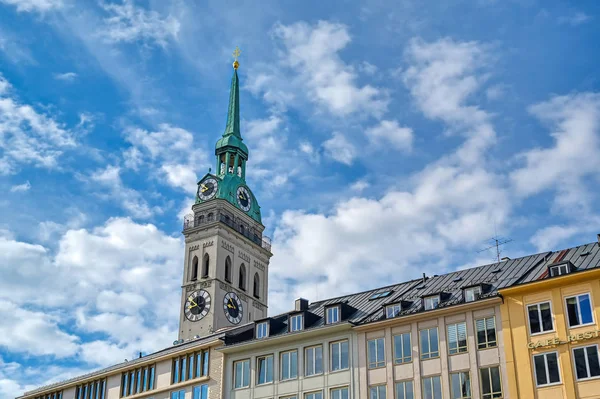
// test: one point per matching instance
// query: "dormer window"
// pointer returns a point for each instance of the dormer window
(296, 322)
(333, 315)
(431, 302)
(262, 330)
(472, 293)
(392, 311)
(559, 270)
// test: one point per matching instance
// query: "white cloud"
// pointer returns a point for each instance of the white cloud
(66, 77)
(571, 166)
(340, 149)
(34, 5)
(575, 19)
(390, 133)
(313, 52)
(549, 237)
(130, 23)
(182, 176)
(359, 185)
(21, 187)
(28, 137)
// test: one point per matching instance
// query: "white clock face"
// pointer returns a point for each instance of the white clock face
(197, 305)
(244, 198)
(233, 308)
(207, 189)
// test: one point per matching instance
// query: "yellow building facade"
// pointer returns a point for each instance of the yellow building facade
(551, 335)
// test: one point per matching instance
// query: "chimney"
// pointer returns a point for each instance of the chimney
(598, 237)
(424, 278)
(301, 304)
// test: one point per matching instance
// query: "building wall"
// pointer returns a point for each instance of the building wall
(302, 384)
(515, 323)
(414, 371)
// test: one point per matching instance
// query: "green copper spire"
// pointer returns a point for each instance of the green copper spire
(233, 115)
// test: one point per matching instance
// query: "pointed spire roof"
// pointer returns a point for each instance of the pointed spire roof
(232, 136)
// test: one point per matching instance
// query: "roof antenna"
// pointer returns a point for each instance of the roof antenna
(497, 242)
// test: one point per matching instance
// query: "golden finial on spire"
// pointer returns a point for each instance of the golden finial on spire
(236, 54)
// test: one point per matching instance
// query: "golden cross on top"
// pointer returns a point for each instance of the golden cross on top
(236, 53)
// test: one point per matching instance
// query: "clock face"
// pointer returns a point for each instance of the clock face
(244, 198)
(197, 305)
(233, 308)
(207, 189)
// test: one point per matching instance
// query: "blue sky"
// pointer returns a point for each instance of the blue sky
(386, 139)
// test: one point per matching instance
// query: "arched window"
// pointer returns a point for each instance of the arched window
(228, 269)
(195, 268)
(242, 229)
(256, 288)
(201, 219)
(242, 281)
(210, 217)
(205, 264)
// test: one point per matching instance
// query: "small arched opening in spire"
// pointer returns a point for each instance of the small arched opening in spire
(194, 268)
(256, 287)
(205, 265)
(242, 278)
(228, 269)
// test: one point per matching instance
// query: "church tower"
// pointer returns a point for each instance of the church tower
(226, 266)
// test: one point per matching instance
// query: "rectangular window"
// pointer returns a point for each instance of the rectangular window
(431, 302)
(135, 381)
(262, 330)
(392, 311)
(93, 389)
(200, 392)
(460, 385)
(377, 392)
(486, 333)
(314, 395)
(432, 387)
(376, 353)
(472, 294)
(429, 343)
(558, 270)
(313, 360)
(491, 387)
(339, 355)
(178, 394)
(289, 365)
(339, 393)
(404, 390)
(188, 367)
(579, 310)
(402, 348)
(333, 314)
(296, 323)
(241, 374)
(264, 369)
(540, 318)
(457, 338)
(546, 369)
(587, 362)
(56, 395)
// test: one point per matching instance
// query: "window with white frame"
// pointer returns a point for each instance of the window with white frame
(429, 343)
(579, 310)
(296, 322)
(402, 348)
(460, 385)
(333, 315)
(432, 387)
(377, 392)
(289, 365)
(339, 355)
(558, 270)
(405, 390)
(587, 362)
(540, 317)
(241, 374)
(392, 311)
(313, 360)
(314, 395)
(457, 338)
(546, 369)
(486, 332)
(262, 330)
(339, 393)
(472, 293)
(431, 302)
(376, 352)
(491, 386)
(264, 369)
